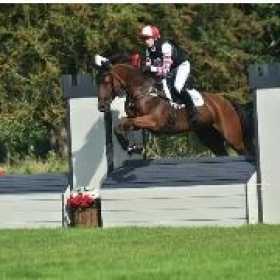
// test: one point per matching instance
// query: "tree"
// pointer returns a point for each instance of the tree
(40, 42)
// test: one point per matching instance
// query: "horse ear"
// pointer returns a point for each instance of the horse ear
(100, 62)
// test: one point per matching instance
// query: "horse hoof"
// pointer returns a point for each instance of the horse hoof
(134, 150)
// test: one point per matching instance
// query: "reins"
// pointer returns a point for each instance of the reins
(123, 84)
(119, 79)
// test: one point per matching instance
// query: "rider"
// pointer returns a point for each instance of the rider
(166, 59)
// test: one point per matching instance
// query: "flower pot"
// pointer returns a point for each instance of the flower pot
(87, 217)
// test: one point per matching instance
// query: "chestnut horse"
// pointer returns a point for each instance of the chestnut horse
(221, 122)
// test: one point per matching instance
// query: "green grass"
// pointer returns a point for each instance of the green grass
(141, 253)
(30, 165)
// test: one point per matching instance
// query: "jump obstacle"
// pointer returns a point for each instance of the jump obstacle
(202, 191)
(264, 81)
(32, 201)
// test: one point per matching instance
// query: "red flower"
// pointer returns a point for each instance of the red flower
(80, 201)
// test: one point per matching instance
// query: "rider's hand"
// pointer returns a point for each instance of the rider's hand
(153, 69)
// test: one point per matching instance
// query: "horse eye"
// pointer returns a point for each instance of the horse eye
(102, 78)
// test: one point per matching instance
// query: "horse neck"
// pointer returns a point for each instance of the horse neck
(123, 72)
(131, 78)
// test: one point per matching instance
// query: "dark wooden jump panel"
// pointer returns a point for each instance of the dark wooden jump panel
(177, 172)
(35, 183)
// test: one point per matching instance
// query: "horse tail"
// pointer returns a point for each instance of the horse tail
(247, 125)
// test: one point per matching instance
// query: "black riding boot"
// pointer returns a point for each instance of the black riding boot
(191, 109)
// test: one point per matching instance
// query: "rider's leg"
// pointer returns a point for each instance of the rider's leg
(191, 108)
(168, 93)
(179, 84)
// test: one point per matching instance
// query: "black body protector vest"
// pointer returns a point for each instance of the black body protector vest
(178, 55)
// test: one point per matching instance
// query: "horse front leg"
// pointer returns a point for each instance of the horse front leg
(126, 127)
(148, 122)
(121, 132)
(124, 132)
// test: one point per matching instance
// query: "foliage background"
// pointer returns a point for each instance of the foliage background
(40, 42)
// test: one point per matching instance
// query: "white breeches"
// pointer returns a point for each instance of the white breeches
(182, 75)
(180, 80)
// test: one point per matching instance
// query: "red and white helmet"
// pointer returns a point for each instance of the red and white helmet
(149, 31)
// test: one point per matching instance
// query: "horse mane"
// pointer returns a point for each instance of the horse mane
(119, 58)
(135, 75)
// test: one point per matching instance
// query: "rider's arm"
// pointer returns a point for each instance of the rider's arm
(148, 59)
(164, 68)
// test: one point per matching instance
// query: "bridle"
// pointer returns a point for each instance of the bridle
(123, 87)
(112, 75)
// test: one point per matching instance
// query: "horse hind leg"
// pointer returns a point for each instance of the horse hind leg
(244, 149)
(245, 144)
(238, 144)
(249, 140)
(213, 140)
(250, 147)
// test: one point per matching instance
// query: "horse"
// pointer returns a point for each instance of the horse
(222, 122)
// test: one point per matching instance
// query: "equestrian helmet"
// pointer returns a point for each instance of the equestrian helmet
(150, 31)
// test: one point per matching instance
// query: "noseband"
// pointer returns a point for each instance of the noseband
(113, 76)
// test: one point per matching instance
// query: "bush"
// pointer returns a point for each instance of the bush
(30, 165)
(22, 134)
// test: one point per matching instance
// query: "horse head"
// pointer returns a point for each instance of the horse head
(107, 87)
(111, 80)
